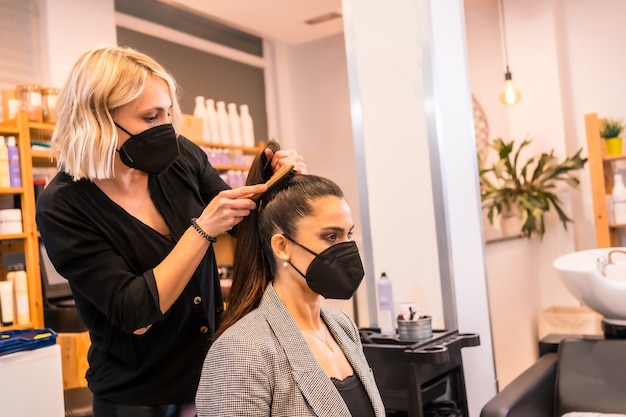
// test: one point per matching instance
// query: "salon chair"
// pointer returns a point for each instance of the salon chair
(78, 402)
(585, 375)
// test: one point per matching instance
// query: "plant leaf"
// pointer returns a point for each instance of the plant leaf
(506, 184)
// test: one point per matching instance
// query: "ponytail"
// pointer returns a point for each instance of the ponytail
(252, 269)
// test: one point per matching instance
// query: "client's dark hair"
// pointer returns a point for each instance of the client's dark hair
(278, 211)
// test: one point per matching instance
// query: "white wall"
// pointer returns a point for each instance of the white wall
(68, 29)
(592, 82)
(557, 50)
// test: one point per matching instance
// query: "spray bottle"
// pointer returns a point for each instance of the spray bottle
(386, 317)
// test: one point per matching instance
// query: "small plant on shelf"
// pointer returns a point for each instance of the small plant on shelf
(611, 131)
(611, 128)
(526, 188)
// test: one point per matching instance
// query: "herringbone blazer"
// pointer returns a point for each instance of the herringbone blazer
(262, 366)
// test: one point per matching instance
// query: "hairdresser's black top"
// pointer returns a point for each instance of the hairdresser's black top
(108, 255)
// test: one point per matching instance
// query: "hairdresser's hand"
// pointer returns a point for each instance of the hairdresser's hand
(228, 208)
(286, 157)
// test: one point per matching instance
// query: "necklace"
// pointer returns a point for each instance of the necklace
(320, 339)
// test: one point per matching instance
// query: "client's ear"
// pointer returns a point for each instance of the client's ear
(280, 247)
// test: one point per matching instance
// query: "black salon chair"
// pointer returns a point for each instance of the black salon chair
(586, 375)
(78, 402)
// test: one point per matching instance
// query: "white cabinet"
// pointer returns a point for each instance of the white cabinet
(31, 383)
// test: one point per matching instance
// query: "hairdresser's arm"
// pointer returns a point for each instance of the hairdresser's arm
(223, 212)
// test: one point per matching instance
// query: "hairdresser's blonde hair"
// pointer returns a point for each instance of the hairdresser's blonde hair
(101, 81)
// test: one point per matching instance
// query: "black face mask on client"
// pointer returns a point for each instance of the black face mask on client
(151, 151)
(335, 273)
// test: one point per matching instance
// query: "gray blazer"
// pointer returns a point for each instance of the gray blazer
(262, 366)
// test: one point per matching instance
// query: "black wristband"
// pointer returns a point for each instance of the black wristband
(204, 234)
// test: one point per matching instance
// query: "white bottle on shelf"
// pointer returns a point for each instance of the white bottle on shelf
(247, 126)
(200, 112)
(6, 303)
(15, 175)
(20, 284)
(5, 176)
(619, 199)
(223, 123)
(235, 125)
(386, 318)
(212, 120)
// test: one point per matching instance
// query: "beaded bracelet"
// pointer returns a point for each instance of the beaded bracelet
(202, 232)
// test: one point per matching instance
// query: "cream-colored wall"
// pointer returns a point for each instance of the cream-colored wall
(555, 50)
(514, 292)
(70, 27)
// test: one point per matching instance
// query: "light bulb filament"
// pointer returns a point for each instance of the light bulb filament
(510, 95)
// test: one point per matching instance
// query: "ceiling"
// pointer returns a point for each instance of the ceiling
(282, 20)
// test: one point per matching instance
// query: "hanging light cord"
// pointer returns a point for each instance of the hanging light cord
(506, 51)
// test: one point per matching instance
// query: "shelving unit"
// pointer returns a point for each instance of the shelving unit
(601, 168)
(26, 242)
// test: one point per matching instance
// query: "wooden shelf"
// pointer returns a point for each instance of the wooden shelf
(27, 241)
(601, 181)
(229, 167)
(12, 190)
(8, 129)
(613, 158)
(244, 149)
(15, 236)
(43, 158)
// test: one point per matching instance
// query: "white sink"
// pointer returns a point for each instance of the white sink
(606, 296)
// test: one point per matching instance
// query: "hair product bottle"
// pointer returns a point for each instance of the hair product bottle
(5, 176)
(386, 318)
(619, 199)
(14, 163)
(223, 123)
(20, 284)
(247, 126)
(200, 112)
(235, 125)
(6, 302)
(212, 121)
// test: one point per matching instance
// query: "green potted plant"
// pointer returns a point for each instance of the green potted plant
(526, 188)
(611, 131)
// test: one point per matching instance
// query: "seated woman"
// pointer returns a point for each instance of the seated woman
(278, 351)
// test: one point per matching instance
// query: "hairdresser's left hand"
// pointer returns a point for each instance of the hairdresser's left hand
(286, 157)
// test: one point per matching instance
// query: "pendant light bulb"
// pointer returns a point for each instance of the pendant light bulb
(510, 95)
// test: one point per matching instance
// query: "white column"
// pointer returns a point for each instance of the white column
(385, 70)
(69, 28)
(459, 172)
(420, 204)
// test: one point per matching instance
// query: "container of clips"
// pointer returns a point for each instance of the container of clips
(416, 329)
(411, 324)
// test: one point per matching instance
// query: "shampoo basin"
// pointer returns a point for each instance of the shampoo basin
(607, 296)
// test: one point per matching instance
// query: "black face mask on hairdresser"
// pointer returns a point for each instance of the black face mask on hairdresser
(152, 150)
(336, 272)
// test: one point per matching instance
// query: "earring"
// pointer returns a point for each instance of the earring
(286, 262)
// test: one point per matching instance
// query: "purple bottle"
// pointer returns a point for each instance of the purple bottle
(386, 316)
